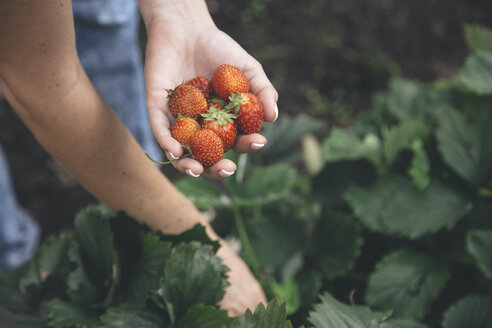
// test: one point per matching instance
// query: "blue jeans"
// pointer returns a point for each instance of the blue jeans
(108, 48)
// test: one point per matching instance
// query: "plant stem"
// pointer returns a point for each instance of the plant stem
(243, 235)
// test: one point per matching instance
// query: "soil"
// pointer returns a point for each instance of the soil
(326, 58)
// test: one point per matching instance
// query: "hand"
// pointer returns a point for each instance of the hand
(244, 291)
(180, 48)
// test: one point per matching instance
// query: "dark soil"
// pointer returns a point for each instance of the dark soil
(326, 58)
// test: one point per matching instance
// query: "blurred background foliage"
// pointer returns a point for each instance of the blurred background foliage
(326, 58)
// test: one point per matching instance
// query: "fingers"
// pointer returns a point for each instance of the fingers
(220, 170)
(263, 88)
(246, 143)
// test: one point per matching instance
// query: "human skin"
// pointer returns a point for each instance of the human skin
(42, 79)
(184, 42)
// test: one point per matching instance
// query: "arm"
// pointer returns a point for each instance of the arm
(183, 42)
(44, 82)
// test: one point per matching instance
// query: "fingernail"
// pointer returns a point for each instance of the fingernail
(255, 145)
(276, 112)
(225, 174)
(191, 174)
(172, 156)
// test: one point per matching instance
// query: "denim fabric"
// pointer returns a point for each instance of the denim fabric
(108, 48)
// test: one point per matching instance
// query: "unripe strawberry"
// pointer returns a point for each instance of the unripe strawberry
(227, 79)
(222, 123)
(249, 111)
(183, 129)
(201, 83)
(187, 100)
(206, 147)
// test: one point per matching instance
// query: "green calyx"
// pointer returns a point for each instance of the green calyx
(235, 101)
(222, 116)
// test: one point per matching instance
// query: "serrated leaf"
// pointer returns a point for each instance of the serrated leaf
(197, 233)
(478, 37)
(470, 312)
(203, 193)
(131, 317)
(335, 244)
(464, 145)
(203, 316)
(95, 239)
(394, 206)
(401, 137)
(341, 146)
(273, 316)
(267, 184)
(407, 283)
(476, 74)
(479, 245)
(52, 254)
(80, 289)
(331, 313)
(66, 315)
(419, 169)
(193, 275)
(14, 320)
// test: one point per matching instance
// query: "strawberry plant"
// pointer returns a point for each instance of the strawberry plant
(391, 220)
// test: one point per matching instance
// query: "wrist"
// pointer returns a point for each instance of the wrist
(189, 11)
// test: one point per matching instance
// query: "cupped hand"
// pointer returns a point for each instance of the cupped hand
(178, 50)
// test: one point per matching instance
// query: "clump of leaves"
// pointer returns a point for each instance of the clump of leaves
(113, 271)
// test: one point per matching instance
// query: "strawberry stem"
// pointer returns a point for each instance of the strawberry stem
(159, 162)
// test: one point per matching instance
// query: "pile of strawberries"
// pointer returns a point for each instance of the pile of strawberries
(210, 114)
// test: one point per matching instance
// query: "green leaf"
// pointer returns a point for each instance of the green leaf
(407, 283)
(479, 245)
(410, 100)
(196, 233)
(283, 136)
(476, 74)
(269, 232)
(14, 320)
(203, 193)
(341, 145)
(52, 254)
(95, 239)
(273, 316)
(203, 316)
(478, 37)
(470, 312)
(333, 314)
(193, 275)
(335, 244)
(288, 292)
(63, 314)
(267, 184)
(401, 137)
(142, 268)
(393, 205)
(131, 317)
(465, 145)
(80, 289)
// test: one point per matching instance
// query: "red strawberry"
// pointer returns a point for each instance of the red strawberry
(201, 83)
(227, 79)
(222, 123)
(187, 100)
(206, 147)
(183, 129)
(249, 111)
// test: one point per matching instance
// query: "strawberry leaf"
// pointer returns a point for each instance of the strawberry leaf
(406, 283)
(204, 194)
(274, 315)
(478, 37)
(206, 316)
(471, 311)
(63, 314)
(128, 316)
(476, 75)
(479, 245)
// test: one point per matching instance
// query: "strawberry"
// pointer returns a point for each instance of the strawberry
(206, 147)
(201, 83)
(249, 111)
(183, 129)
(187, 100)
(227, 79)
(222, 123)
